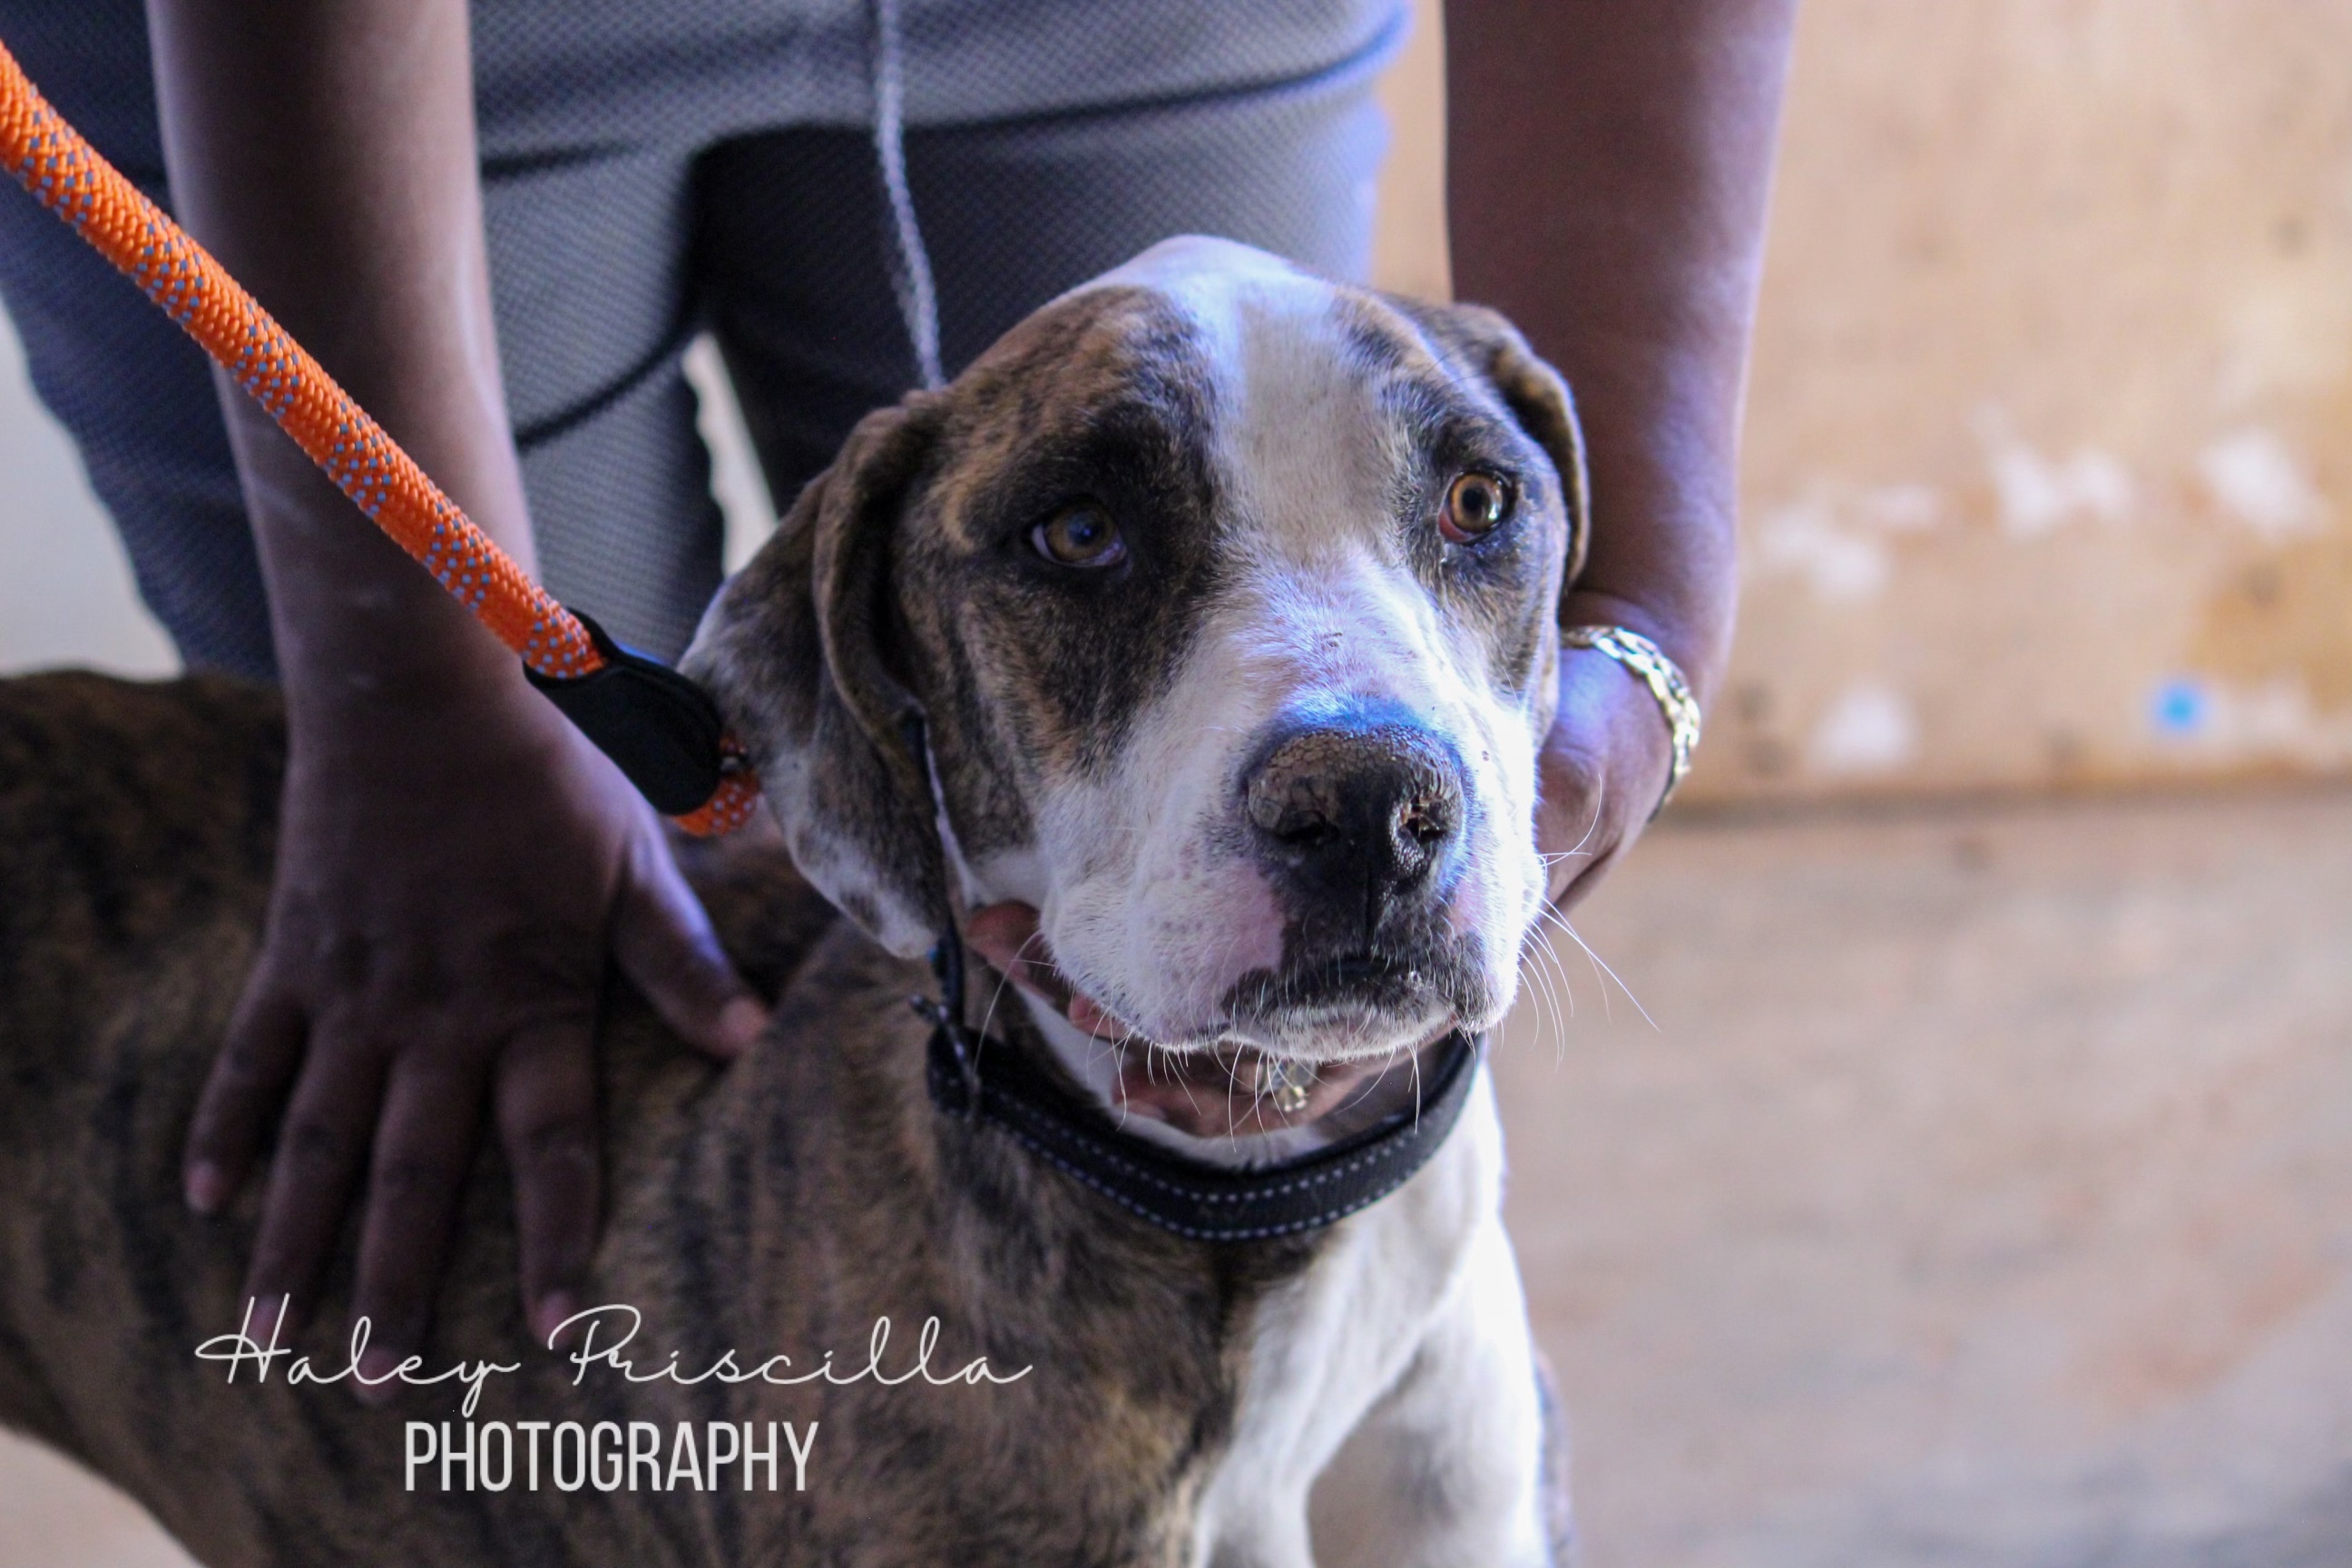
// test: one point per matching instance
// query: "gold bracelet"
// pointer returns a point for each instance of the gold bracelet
(1664, 679)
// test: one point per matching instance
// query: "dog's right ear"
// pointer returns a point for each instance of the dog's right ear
(793, 650)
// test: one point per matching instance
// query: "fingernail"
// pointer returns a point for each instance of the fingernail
(552, 1310)
(207, 1187)
(741, 1022)
(374, 1383)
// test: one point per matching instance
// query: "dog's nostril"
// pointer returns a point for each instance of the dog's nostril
(1379, 802)
(1296, 805)
(1424, 821)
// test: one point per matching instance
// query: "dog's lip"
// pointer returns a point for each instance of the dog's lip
(1214, 1087)
(1361, 994)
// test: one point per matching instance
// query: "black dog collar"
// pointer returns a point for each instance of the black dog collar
(982, 1079)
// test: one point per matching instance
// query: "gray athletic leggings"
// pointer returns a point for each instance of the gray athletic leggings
(638, 189)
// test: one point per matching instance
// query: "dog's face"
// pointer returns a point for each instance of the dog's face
(1226, 596)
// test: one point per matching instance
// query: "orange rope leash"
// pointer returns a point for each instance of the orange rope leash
(68, 177)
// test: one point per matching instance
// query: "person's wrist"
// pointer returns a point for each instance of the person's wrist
(1609, 728)
(1662, 679)
(431, 696)
(413, 722)
(360, 626)
(1696, 651)
(1664, 560)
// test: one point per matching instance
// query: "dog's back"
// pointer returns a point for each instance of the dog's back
(778, 1206)
(136, 825)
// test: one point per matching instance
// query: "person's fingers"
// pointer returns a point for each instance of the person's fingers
(1602, 766)
(664, 942)
(242, 1094)
(321, 1150)
(424, 1149)
(546, 1103)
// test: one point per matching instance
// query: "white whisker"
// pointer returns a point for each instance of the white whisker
(1602, 969)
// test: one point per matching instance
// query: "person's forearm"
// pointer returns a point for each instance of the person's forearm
(325, 153)
(1607, 168)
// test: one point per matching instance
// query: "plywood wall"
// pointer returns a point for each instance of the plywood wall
(2048, 476)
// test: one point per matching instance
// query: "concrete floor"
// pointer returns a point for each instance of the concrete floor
(1983, 1196)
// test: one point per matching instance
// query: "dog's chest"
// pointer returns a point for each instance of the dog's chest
(1176, 1392)
(1123, 1350)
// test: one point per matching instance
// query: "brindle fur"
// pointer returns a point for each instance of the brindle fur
(780, 1203)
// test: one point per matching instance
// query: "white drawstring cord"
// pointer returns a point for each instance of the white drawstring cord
(911, 274)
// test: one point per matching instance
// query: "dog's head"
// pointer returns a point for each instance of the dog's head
(1225, 596)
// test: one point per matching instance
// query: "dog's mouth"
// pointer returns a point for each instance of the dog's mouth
(1235, 1078)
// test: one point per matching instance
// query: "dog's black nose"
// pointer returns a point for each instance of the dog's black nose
(1358, 815)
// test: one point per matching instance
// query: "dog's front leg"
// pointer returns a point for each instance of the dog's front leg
(1448, 1471)
(1384, 1328)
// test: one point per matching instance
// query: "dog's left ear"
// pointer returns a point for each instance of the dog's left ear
(794, 650)
(1485, 343)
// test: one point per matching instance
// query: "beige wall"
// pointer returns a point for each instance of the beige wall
(1408, 245)
(2049, 452)
(2050, 435)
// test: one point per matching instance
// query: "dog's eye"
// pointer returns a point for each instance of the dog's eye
(1475, 505)
(1082, 536)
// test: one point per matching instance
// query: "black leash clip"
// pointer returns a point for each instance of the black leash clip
(659, 727)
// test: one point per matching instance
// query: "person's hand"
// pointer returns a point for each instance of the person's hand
(1601, 770)
(452, 876)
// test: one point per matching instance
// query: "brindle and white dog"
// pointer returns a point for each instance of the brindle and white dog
(1227, 596)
